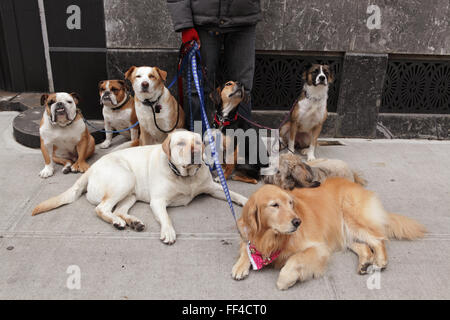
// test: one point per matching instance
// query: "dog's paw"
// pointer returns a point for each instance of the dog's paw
(241, 200)
(46, 172)
(365, 268)
(119, 223)
(80, 167)
(137, 225)
(67, 168)
(286, 279)
(168, 235)
(240, 271)
(105, 144)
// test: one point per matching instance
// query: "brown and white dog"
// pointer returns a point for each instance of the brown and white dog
(300, 229)
(64, 136)
(151, 99)
(118, 111)
(310, 111)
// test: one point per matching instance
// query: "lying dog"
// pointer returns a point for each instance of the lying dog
(299, 230)
(294, 173)
(227, 99)
(310, 111)
(157, 110)
(118, 111)
(64, 136)
(162, 175)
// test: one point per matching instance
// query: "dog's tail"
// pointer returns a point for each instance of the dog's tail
(359, 179)
(69, 196)
(404, 228)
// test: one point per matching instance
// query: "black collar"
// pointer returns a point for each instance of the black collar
(153, 104)
(174, 169)
(119, 107)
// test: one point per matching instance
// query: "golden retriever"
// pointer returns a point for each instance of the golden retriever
(306, 225)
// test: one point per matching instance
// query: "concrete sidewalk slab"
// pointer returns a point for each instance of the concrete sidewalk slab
(410, 177)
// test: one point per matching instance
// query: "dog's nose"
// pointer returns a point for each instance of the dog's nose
(296, 222)
(145, 85)
(322, 78)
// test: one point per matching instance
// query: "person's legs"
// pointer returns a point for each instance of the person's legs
(210, 51)
(240, 61)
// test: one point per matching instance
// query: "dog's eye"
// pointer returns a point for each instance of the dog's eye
(51, 102)
(114, 90)
(291, 203)
(138, 76)
(151, 76)
(181, 143)
(229, 84)
(275, 205)
(69, 102)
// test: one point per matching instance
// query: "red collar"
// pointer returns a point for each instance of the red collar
(257, 260)
(224, 122)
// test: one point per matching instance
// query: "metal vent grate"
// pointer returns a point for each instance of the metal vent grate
(278, 80)
(413, 86)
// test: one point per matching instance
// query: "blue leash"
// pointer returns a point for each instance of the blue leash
(205, 121)
(174, 80)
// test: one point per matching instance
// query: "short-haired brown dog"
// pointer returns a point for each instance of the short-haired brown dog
(306, 225)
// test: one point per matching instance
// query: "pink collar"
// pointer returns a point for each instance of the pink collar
(256, 258)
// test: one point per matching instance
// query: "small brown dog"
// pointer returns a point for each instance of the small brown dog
(118, 111)
(300, 229)
(293, 172)
(310, 111)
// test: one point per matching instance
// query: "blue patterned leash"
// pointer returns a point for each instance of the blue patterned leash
(205, 121)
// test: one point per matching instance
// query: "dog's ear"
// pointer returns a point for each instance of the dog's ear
(250, 218)
(166, 146)
(76, 97)
(100, 84)
(215, 96)
(129, 73)
(330, 75)
(44, 98)
(162, 73)
(246, 97)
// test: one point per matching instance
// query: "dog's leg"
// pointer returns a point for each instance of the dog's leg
(241, 268)
(64, 162)
(216, 191)
(365, 256)
(48, 159)
(104, 211)
(312, 147)
(168, 235)
(85, 148)
(122, 211)
(145, 138)
(109, 136)
(303, 266)
(134, 137)
(242, 178)
(292, 134)
(380, 255)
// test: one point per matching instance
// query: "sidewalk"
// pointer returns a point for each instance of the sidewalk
(410, 177)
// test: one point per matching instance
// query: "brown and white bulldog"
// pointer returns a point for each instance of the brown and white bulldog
(65, 138)
(151, 98)
(310, 111)
(118, 111)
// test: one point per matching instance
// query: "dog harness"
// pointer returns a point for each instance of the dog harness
(257, 260)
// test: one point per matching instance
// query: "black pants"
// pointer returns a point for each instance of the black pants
(239, 56)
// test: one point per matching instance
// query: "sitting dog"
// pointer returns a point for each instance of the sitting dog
(294, 173)
(227, 99)
(157, 110)
(310, 111)
(118, 111)
(299, 230)
(64, 136)
(162, 175)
